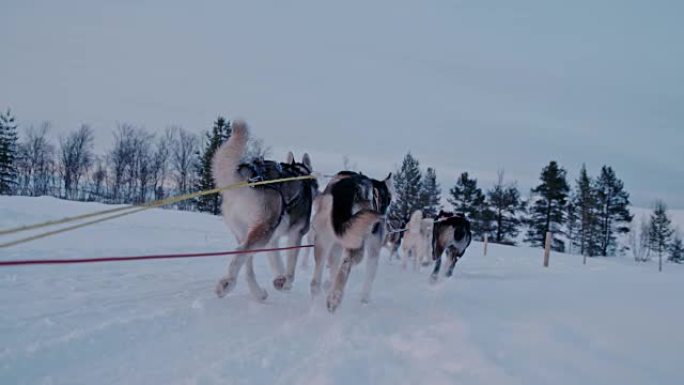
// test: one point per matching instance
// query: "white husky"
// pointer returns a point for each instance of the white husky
(417, 240)
(259, 216)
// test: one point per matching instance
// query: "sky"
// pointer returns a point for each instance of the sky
(470, 85)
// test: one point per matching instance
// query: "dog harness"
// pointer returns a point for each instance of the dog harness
(259, 170)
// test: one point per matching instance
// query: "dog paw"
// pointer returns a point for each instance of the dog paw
(433, 278)
(280, 282)
(334, 300)
(315, 289)
(260, 295)
(365, 299)
(224, 286)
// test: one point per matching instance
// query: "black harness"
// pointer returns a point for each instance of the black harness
(260, 170)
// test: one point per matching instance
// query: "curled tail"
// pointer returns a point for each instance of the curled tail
(227, 158)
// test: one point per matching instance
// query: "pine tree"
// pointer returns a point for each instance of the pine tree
(548, 208)
(659, 232)
(613, 210)
(676, 250)
(8, 153)
(430, 194)
(219, 133)
(585, 203)
(467, 198)
(407, 188)
(571, 225)
(504, 203)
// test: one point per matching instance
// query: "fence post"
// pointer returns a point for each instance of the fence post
(486, 242)
(660, 262)
(547, 248)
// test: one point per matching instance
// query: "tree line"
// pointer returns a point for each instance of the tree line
(139, 166)
(588, 218)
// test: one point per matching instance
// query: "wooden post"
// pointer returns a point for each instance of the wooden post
(660, 261)
(486, 242)
(547, 248)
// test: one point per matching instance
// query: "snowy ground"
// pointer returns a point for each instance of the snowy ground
(502, 319)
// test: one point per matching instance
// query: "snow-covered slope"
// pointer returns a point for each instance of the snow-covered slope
(502, 319)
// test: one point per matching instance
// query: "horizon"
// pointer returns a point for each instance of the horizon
(465, 87)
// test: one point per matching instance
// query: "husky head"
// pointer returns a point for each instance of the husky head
(382, 194)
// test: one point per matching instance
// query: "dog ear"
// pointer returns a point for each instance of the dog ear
(290, 158)
(389, 184)
(306, 160)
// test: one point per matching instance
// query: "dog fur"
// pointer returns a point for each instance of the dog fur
(392, 242)
(349, 220)
(259, 216)
(417, 240)
(451, 232)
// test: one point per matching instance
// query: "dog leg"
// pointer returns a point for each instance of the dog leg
(310, 239)
(305, 258)
(337, 292)
(255, 237)
(257, 292)
(416, 258)
(453, 258)
(404, 260)
(293, 240)
(371, 270)
(276, 264)
(227, 283)
(435, 272)
(320, 256)
(334, 260)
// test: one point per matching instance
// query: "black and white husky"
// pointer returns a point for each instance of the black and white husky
(259, 216)
(349, 220)
(451, 232)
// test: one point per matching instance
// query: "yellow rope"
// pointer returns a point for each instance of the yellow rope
(128, 210)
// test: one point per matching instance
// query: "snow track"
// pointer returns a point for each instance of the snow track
(502, 319)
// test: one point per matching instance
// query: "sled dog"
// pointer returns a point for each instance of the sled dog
(349, 220)
(259, 216)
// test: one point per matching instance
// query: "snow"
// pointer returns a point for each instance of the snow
(502, 318)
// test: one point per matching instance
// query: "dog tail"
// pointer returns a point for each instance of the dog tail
(227, 158)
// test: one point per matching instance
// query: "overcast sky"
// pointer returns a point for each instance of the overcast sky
(471, 85)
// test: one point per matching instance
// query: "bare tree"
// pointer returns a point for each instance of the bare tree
(120, 160)
(183, 159)
(638, 239)
(75, 159)
(36, 164)
(160, 163)
(142, 164)
(98, 179)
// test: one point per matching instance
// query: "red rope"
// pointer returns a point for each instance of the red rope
(140, 257)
